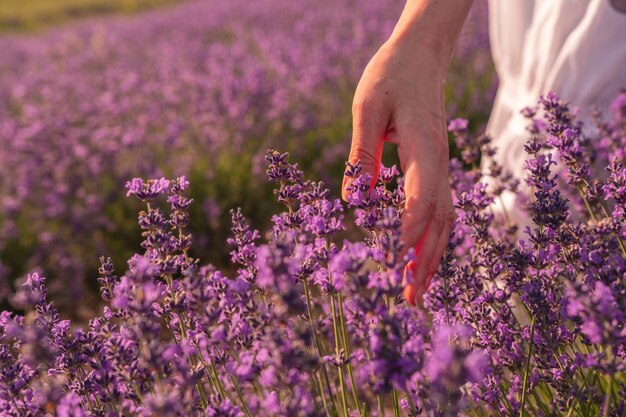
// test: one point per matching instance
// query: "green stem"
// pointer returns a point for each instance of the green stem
(582, 195)
(381, 406)
(596, 381)
(183, 334)
(220, 387)
(346, 346)
(344, 394)
(137, 390)
(91, 404)
(108, 390)
(319, 386)
(607, 398)
(571, 409)
(239, 394)
(540, 402)
(83, 374)
(527, 370)
(307, 293)
(396, 406)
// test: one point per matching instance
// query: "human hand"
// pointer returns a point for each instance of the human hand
(400, 99)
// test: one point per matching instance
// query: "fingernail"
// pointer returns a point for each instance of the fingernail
(348, 183)
(409, 274)
(410, 289)
(409, 293)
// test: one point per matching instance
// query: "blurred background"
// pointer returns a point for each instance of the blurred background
(96, 92)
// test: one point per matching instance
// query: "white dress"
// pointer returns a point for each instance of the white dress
(576, 48)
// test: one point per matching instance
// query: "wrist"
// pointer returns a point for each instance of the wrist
(421, 45)
(431, 27)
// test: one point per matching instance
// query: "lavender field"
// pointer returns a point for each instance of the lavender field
(172, 242)
(201, 90)
(310, 326)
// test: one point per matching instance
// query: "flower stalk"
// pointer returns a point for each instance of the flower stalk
(527, 367)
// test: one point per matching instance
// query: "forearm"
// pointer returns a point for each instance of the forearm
(431, 25)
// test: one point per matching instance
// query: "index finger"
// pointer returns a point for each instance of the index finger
(369, 122)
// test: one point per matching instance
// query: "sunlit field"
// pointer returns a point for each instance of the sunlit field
(29, 15)
(88, 106)
(172, 242)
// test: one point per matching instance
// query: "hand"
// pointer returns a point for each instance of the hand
(400, 99)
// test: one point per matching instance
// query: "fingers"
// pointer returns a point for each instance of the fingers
(429, 257)
(423, 151)
(428, 214)
(442, 244)
(414, 272)
(418, 274)
(369, 119)
(424, 161)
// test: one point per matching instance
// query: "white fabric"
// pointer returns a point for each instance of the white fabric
(576, 48)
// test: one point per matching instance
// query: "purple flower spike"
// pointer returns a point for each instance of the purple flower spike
(309, 318)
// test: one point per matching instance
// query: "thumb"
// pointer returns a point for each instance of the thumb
(369, 125)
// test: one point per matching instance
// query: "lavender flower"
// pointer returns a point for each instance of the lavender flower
(88, 106)
(307, 322)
